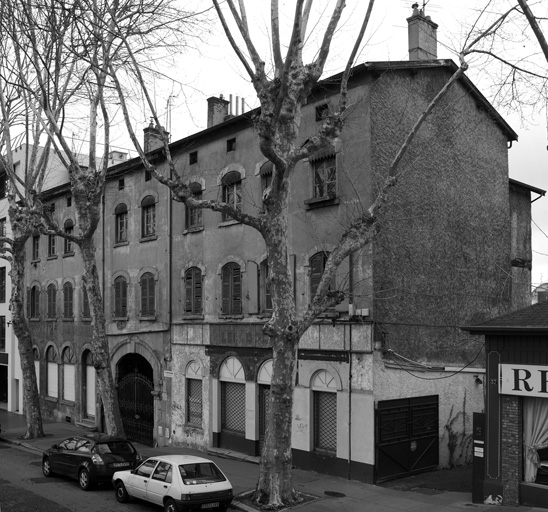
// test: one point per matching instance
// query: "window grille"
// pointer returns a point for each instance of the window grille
(325, 421)
(194, 402)
(233, 407)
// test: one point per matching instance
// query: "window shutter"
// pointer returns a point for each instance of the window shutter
(123, 297)
(236, 290)
(225, 292)
(316, 271)
(117, 298)
(29, 299)
(144, 295)
(252, 287)
(197, 291)
(151, 306)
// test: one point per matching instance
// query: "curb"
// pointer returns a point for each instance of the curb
(23, 444)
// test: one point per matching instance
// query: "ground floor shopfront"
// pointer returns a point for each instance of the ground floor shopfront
(516, 420)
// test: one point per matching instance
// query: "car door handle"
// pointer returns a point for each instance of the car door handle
(165, 486)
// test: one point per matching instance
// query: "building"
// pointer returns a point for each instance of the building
(516, 426)
(387, 382)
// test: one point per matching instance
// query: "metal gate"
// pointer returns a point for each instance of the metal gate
(233, 407)
(264, 406)
(407, 436)
(137, 407)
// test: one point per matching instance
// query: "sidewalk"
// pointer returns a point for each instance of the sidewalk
(349, 496)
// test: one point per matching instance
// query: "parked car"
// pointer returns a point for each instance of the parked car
(90, 459)
(182, 483)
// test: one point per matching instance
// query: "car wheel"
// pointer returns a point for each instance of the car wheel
(121, 493)
(84, 480)
(169, 506)
(46, 467)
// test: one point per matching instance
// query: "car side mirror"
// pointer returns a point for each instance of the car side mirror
(55, 447)
(132, 471)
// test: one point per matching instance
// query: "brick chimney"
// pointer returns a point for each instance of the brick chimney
(217, 110)
(153, 137)
(423, 41)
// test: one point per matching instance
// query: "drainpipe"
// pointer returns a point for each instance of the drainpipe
(350, 301)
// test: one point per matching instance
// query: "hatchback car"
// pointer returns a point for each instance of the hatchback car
(90, 459)
(181, 483)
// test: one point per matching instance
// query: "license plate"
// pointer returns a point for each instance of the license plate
(210, 505)
(120, 464)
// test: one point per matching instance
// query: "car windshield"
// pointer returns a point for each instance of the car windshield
(199, 473)
(114, 447)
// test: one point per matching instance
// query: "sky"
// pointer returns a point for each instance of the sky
(211, 69)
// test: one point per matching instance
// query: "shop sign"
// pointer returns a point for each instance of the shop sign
(523, 380)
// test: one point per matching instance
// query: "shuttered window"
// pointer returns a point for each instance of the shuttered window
(33, 302)
(68, 311)
(52, 300)
(85, 301)
(317, 267)
(69, 230)
(231, 289)
(193, 291)
(52, 376)
(148, 217)
(148, 297)
(120, 297)
(266, 296)
(68, 375)
(193, 216)
(121, 223)
(232, 191)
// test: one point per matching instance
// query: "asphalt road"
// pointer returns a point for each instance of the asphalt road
(23, 488)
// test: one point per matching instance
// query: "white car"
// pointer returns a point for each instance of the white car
(181, 483)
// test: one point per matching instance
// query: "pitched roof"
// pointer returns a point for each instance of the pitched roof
(532, 319)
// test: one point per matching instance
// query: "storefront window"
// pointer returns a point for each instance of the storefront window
(535, 439)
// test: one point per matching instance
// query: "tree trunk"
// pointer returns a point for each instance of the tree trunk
(99, 342)
(31, 398)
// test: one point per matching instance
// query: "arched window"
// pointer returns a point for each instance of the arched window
(120, 214)
(232, 377)
(193, 216)
(52, 369)
(148, 294)
(68, 311)
(34, 302)
(69, 230)
(193, 291)
(324, 412)
(231, 284)
(148, 217)
(232, 191)
(68, 374)
(120, 297)
(266, 296)
(85, 302)
(36, 357)
(52, 301)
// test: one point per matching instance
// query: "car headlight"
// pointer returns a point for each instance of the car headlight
(185, 497)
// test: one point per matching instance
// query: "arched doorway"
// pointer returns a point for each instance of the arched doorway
(264, 379)
(89, 386)
(135, 386)
(232, 380)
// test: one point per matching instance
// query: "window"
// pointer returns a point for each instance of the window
(266, 297)
(266, 177)
(230, 145)
(33, 303)
(120, 297)
(194, 402)
(52, 240)
(193, 291)
(322, 112)
(52, 373)
(193, 157)
(69, 230)
(52, 299)
(148, 219)
(2, 230)
(2, 333)
(68, 300)
(3, 182)
(2, 284)
(193, 216)
(69, 201)
(85, 303)
(121, 184)
(325, 178)
(36, 247)
(36, 357)
(232, 191)
(148, 297)
(317, 267)
(120, 214)
(163, 472)
(68, 374)
(231, 282)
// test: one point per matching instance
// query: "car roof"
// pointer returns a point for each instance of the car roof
(97, 438)
(180, 459)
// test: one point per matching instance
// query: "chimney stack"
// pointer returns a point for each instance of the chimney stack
(423, 42)
(153, 137)
(217, 110)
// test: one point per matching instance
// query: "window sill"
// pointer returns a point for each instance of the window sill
(320, 202)
(149, 238)
(231, 317)
(265, 314)
(35, 262)
(68, 254)
(52, 257)
(121, 244)
(193, 317)
(51, 319)
(120, 318)
(227, 223)
(147, 318)
(68, 319)
(195, 229)
(51, 399)
(86, 319)
(193, 426)
(35, 319)
(64, 401)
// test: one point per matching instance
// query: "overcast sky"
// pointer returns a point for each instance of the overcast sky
(217, 71)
